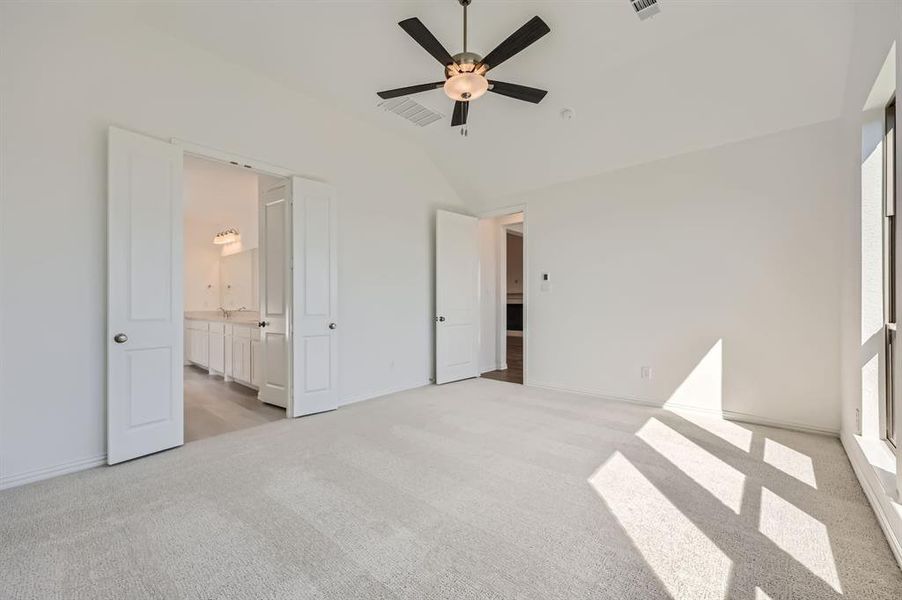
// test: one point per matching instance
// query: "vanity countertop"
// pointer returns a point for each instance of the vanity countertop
(244, 317)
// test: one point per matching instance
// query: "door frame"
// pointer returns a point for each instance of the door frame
(501, 285)
(259, 166)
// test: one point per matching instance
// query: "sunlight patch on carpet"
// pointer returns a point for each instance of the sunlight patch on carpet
(682, 557)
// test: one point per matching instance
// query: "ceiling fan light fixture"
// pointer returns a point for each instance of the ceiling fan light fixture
(465, 87)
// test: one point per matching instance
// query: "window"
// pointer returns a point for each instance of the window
(889, 250)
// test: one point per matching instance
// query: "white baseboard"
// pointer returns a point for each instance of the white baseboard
(729, 415)
(497, 367)
(384, 392)
(11, 481)
(880, 502)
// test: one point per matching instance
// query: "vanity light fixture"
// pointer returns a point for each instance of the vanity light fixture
(228, 236)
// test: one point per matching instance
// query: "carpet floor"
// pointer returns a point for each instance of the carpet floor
(479, 489)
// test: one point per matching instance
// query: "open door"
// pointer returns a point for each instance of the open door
(275, 294)
(315, 285)
(456, 297)
(145, 403)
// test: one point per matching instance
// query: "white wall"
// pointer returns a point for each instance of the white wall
(725, 255)
(71, 71)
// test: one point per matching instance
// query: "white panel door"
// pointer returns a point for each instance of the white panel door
(456, 297)
(315, 289)
(275, 298)
(144, 312)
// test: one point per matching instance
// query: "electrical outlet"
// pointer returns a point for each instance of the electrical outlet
(645, 373)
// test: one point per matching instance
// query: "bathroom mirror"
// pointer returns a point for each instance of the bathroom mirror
(238, 280)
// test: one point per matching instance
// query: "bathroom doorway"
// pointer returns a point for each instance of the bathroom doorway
(224, 279)
(149, 343)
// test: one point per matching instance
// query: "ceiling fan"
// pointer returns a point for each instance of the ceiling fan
(465, 73)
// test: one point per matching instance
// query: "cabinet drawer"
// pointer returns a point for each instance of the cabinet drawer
(197, 325)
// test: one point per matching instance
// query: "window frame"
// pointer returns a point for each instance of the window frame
(890, 163)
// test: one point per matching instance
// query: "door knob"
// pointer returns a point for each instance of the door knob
(440, 319)
(262, 323)
(333, 325)
(120, 338)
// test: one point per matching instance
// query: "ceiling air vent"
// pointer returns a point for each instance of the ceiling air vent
(645, 8)
(414, 112)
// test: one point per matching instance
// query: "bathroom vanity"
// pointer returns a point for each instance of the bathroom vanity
(226, 347)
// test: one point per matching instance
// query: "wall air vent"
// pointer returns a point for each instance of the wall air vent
(414, 112)
(645, 8)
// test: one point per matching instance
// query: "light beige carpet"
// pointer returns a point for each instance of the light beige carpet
(479, 489)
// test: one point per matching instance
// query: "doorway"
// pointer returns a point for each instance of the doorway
(148, 343)
(503, 289)
(481, 287)
(225, 277)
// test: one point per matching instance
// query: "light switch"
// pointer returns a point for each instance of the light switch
(546, 282)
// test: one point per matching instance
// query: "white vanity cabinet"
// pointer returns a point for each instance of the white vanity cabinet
(241, 355)
(228, 349)
(216, 361)
(197, 342)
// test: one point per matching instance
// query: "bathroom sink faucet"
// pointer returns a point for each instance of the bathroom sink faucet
(227, 314)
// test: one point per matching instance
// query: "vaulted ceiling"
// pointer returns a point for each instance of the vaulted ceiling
(699, 74)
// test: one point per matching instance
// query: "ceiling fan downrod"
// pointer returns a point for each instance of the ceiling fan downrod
(465, 4)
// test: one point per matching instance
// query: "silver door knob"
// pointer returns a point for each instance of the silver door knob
(440, 319)
(333, 325)
(120, 338)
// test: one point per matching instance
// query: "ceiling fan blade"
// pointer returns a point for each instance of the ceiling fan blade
(459, 117)
(415, 29)
(520, 92)
(406, 91)
(518, 40)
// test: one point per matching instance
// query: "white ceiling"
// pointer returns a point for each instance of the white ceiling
(700, 74)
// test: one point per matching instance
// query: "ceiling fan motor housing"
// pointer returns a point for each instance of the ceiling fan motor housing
(465, 62)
